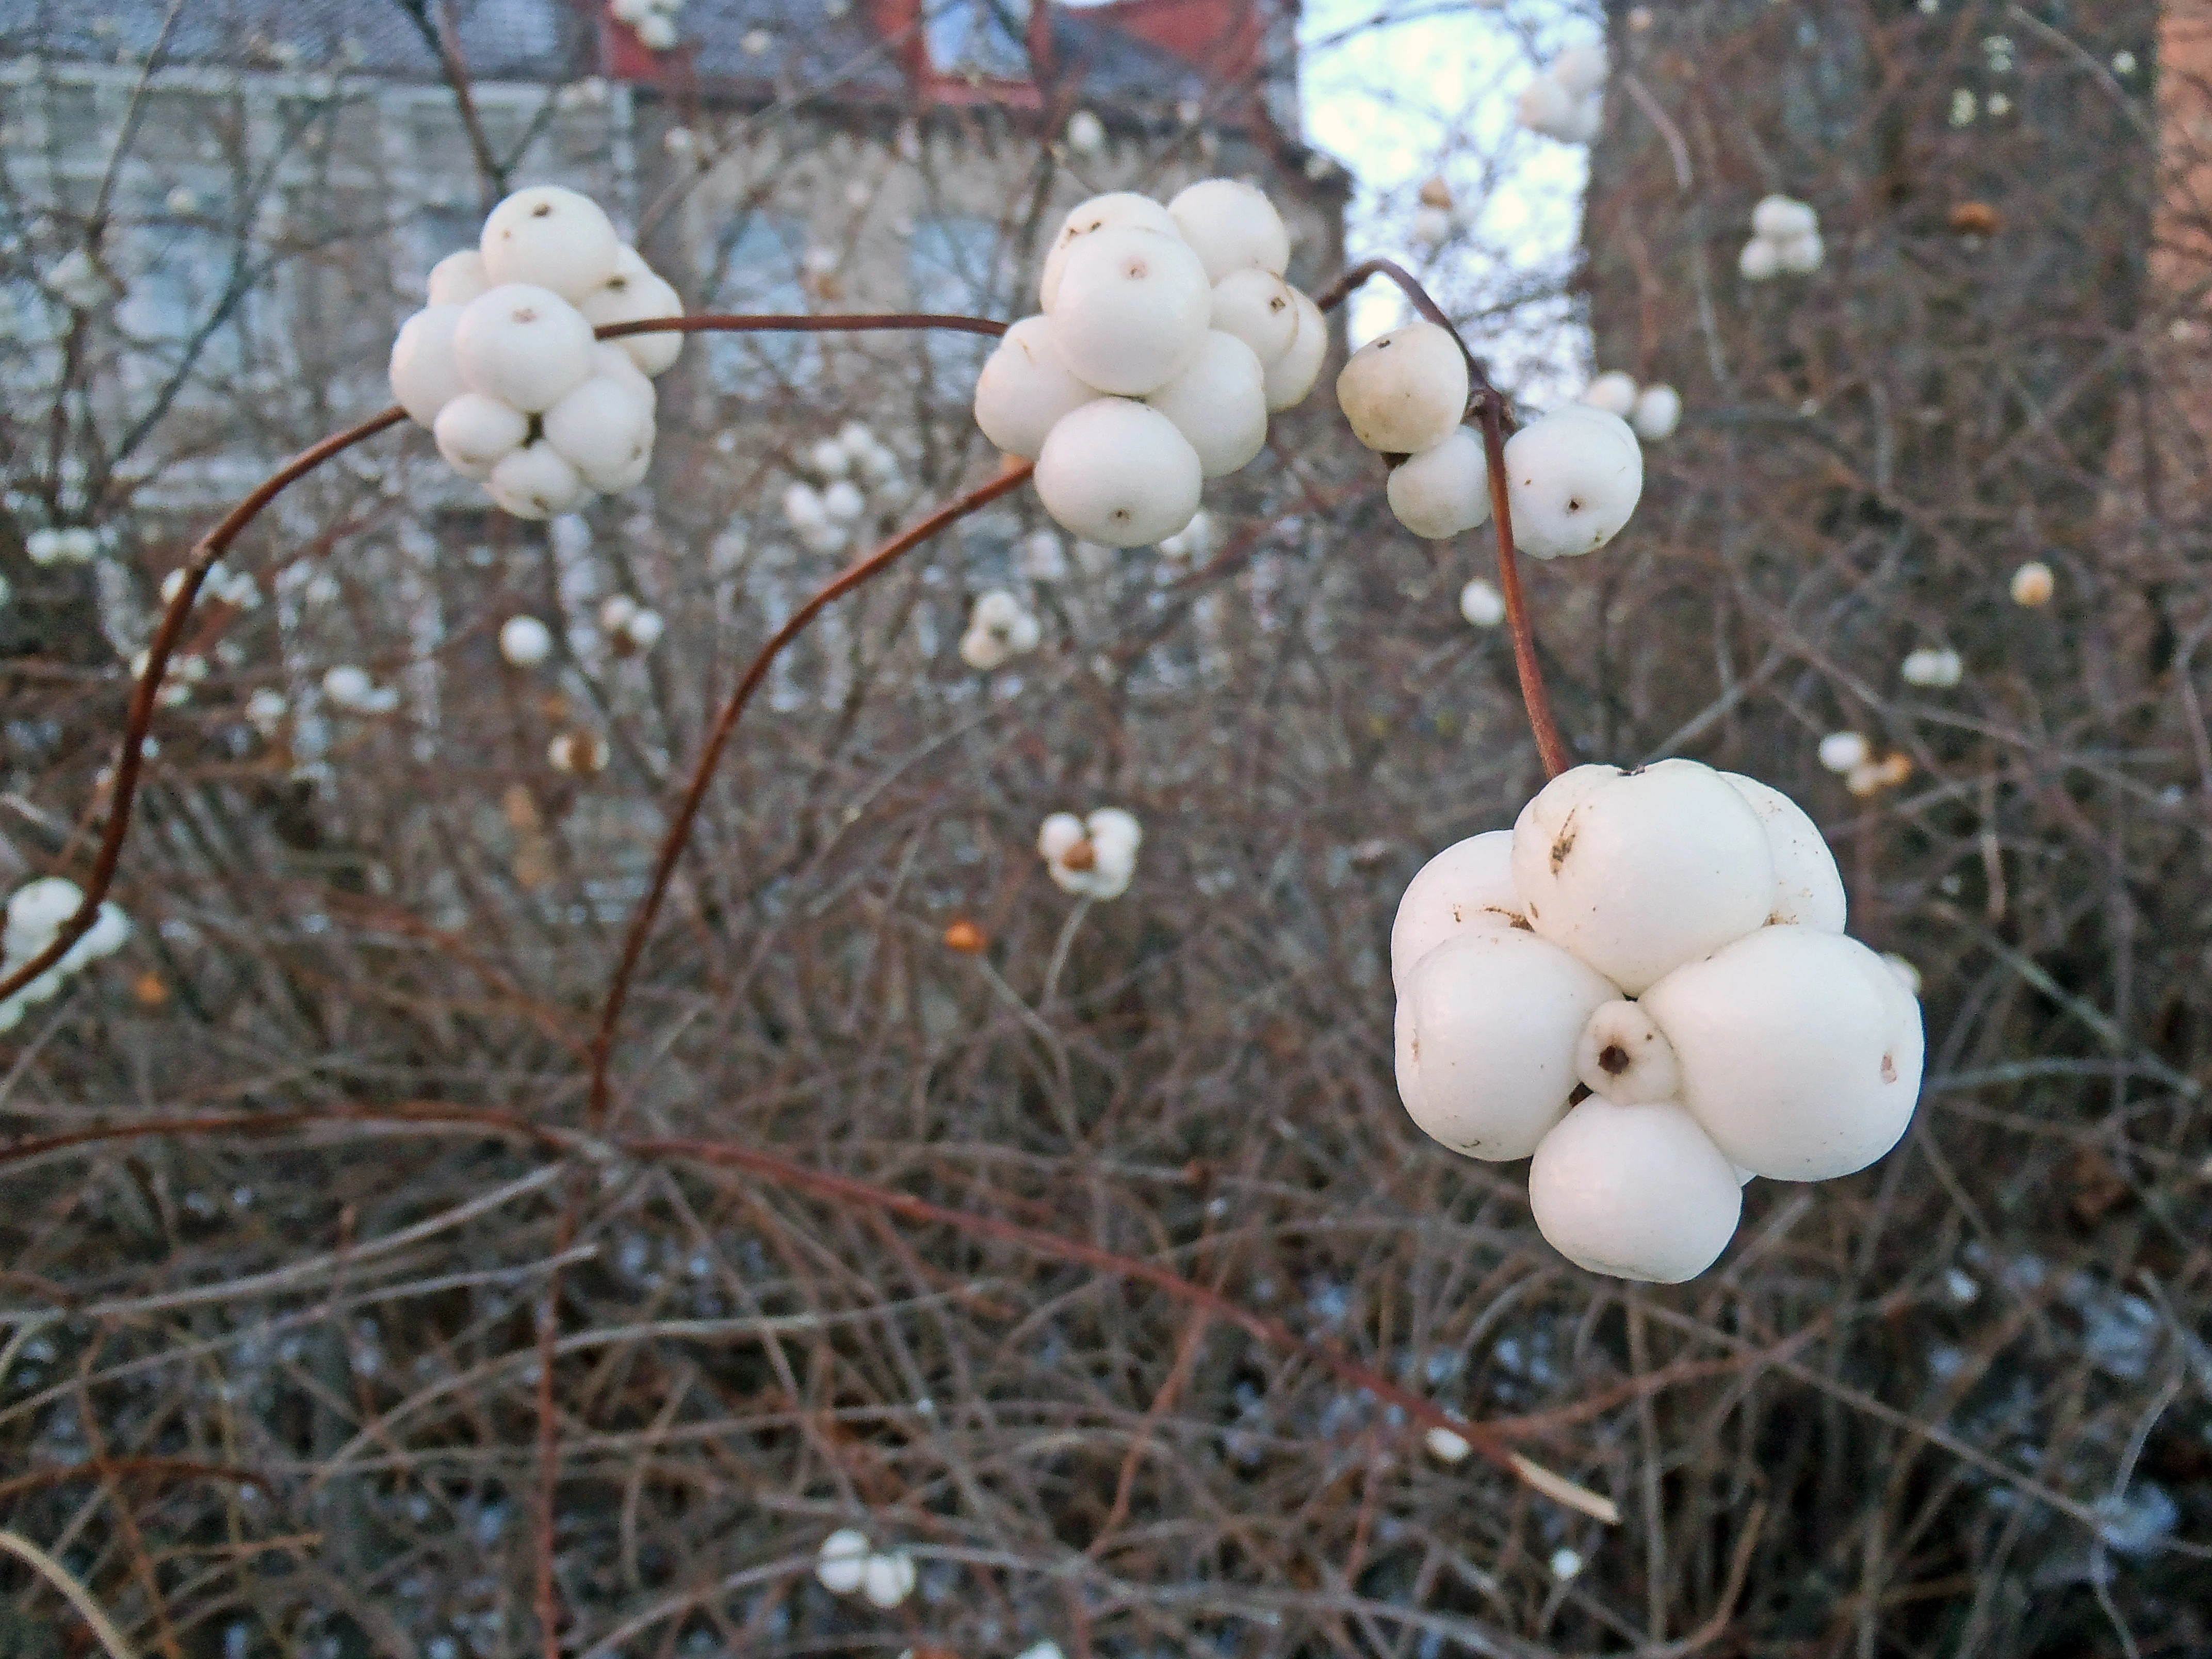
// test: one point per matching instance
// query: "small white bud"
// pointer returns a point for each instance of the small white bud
(1758, 262)
(843, 1561)
(1933, 666)
(1447, 1447)
(888, 1580)
(1658, 413)
(1086, 133)
(1842, 751)
(1780, 219)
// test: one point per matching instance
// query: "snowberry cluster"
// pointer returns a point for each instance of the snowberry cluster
(849, 1563)
(352, 691)
(630, 628)
(998, 628)
(36, 912)
(52, 544)
(1095, 857)
(1852, 757)
(653, 21)
(1936, 666)
(525, 641)
(1572, 478)
(503, 367)
(1567, 100)
(222, 584)
(1671, 940)
(1785, 236)
(1653, 411)
(1168, 338)
(1437, 220)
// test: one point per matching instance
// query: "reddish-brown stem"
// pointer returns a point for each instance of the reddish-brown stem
(212, 547)
(830, 322)
(1550, 748)
(679, 830)
(1488, 404)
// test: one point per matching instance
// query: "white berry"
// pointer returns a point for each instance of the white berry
(475, 433)
(1801, 1051)
(1581, 68)
(1132, 310)
(1782, 218)
(525, 641)
(843, 1560)
(1259, 308)
(1486, 1040)
(1481, 603)
(1119, 472)
(552, 238)
(1233, 227)
(1758, 262)
(523, 344)
(1115, 211)
(1405, 391)
(1445, 491)
(1220, 403)
(1635, 1191)
(1931, 665)
(888, 1580)
(1465, 888)
(1637, 872)
(1614, 392)
(1025, 388)
(458, 278)
(601, 430)
(426, 374)
(1293, 377)
(1657, 414)
(536, 482)
(635, 296)
(1573, 478)
(1842, 752)
(1808, 889)
(2033, 584)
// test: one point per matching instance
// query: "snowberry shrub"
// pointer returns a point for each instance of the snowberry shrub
(1094, 857)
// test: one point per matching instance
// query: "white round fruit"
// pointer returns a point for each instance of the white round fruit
(888, 1580)
(1801, 254)
(1058, 835)
(1759, 261)
(610, 362)
(1844, 751)
(600, 428)
(1025, 388)
(475, 433)
(1581, 68)
(1481, 603)
(2033, 584)
(1119, 472)
(37, 909)
(1465, 888)
(1405, 391)
(1232, 226)
(1486, 1039)
(525, 345)
(1808, 889)
(1658, 413)
(552, 238)
(1635, 1191)
(1132, 310)
(1614, 392)
(536, 482)
(1116, 836)
(1573, 479)
(1293, 377)
(458, 278)
(1115, 211)
(426, 374)
(1261, 309)
(525, 641)
(1801, 1051)
(1545, 106)
(1624, 1055)
(843, 1561)
(1637, 872)
(1782, 218)
(637, 297)
(1220, 403)
(1444, 491)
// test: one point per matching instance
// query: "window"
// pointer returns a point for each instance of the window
(760, 268)
(980, 37)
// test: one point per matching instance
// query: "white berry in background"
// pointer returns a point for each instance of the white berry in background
(1581, 68)
(1637, 872)
(1635, 1191)
(1233, 225)
(1259, 308)
(2032, 585)
(1132, 310)
(1841, 752)
(1801, 254)
(843, 1560)
(1486, 1036)
(1799, 1051)
(1481, 603)
(1573, 479)
(1614, 392)
(348, 687)
(643, 630)
(1808, 889)
(458, 278)
(265, 710)
(637, 296)
(523, 344)
(602, 431)
(843, 502)
(1290, 378)
(610, 362)
(1624, 1055)
(1758, 262)
(1115, 211)
(1445, 491)
(475, 433)
(1779, 219)
(830, 459)
(536, 482)
(580, 754)
(1907, 974)
(1193, 541)
(1931, 665)
(1545, 106)
(1658, 413)
(803, 508)
(1405, 391)
(1086, 133)
(552, 238)
(426, 374)
(1119, 472)
(888, 1580)
(1044, 556)
(657, 32)
(1465, 888)
(1219, 404)
(1094, 857)
(525, 641)
(1025, 388)
(998, 629)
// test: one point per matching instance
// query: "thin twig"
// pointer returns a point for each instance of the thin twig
(1551, 748)
(72, 1592)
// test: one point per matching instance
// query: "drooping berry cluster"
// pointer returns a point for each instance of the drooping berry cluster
(1785, 237)
(1566, 101)
(1094, 857)
(1653, 412)
(36, 911)
(1000, 627)
(503, 368)
(1672, 940)
(1168, 338)
(848, 1564)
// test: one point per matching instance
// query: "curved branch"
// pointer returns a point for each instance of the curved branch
(857, 322)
